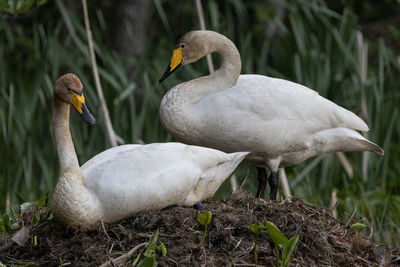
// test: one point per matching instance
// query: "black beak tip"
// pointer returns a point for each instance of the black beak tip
(169, 72)
(165, 75)
(87, 116)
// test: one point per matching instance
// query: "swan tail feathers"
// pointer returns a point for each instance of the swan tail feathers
(372, 147)
(212, 178)
(343, 139)
(363, 144)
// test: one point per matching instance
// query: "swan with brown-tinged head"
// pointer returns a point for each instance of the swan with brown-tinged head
(123, 180)
(280, 122)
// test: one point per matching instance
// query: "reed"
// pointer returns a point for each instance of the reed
(307, 43)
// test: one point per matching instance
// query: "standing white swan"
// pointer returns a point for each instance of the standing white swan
(280, 122)
(123, 180)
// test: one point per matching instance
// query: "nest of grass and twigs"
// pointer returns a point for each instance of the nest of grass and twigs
(323, 241)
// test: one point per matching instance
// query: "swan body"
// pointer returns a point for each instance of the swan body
(123, 180)
(280, 122)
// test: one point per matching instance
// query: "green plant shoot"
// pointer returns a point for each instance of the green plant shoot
(150, 252)
(256, 229)
(357, 226)
(288, 250)
(275, 234)
(280, 240)
(204, 219)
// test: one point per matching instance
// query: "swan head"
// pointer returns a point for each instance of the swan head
(190, 48)
(69, 89)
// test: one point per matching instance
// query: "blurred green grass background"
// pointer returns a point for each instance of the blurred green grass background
(310, 42)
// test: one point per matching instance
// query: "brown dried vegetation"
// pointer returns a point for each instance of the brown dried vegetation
(323, 240)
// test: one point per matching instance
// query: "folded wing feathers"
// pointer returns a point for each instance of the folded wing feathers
(351, 120)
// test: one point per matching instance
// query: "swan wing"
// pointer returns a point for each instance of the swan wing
(131, 178)
(260, 109)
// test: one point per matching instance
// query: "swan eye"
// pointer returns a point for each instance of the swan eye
(183, 45)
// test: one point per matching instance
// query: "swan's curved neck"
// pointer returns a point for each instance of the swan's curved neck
(225, 77)
(73, 204)
(229, 71)
(173, 110)
(231, 65)
(62, 135)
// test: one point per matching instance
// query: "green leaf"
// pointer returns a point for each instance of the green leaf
(275, 234)
(43, 201)
(150, 250)
(2, 227)
(6, 222)
(147, 262)
(34, 240)
(35, 219)
(136, 259)
(154, 237)
(163, 249)
(256, 228)
(152, 246)
(357, 226)
(2, 265)
(288, 250)
(204, 218)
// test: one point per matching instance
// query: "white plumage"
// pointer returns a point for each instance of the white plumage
(121, 181)
(154, 176)
(280, 122)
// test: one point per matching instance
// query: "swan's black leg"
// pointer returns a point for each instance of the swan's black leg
(273, 181)
(198, 206)
(262, 182)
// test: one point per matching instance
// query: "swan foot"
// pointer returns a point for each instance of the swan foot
(262, 182)
(273, 181)
(198, 206)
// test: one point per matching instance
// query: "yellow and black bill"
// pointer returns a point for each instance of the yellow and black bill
(176, 62)
(78, 101)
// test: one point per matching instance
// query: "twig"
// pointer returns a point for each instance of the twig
(345, 163)
(233, 181)
(200, 14)
(352, 215)
(280, 11)
(363, 59)
(372, 232)
(333, 204)
(123, 257)
(285, 184)
(243, 182)
(104, 230)
(111, 261)
(113, 137)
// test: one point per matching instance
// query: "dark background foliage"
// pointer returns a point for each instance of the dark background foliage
(310, 42)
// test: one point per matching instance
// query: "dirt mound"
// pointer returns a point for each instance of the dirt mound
(323, 241)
